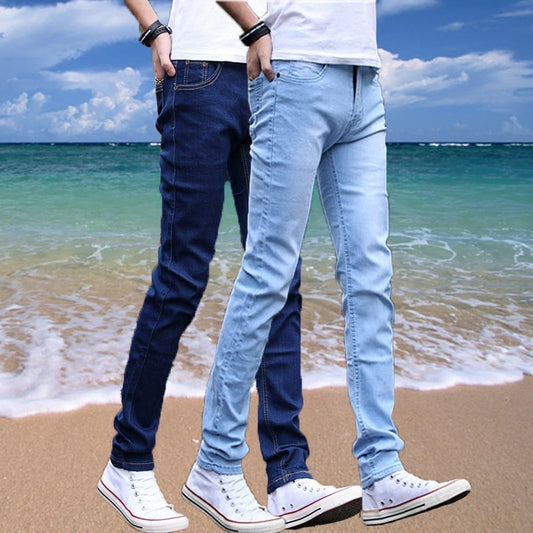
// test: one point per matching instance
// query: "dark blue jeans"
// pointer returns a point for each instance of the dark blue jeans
(203, 121)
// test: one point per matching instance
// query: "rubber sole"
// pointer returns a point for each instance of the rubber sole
(340, 505)
(445, 494)
(167, 525)
(268, 526)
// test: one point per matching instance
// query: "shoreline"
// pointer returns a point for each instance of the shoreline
(482, 433)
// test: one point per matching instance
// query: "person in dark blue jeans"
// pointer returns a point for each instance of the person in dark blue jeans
(203, 119)
(203, 122)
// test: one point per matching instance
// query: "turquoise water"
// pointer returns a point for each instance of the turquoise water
(78, 241)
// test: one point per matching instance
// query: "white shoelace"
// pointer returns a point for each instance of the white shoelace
(147, 491)
(405, 479)
(310, 485)
(239, 495)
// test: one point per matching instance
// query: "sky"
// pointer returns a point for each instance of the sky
(452, 71)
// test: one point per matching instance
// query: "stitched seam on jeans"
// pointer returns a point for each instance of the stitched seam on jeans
(246, 172)
(246, 168)
(358, 103)
(283, 461)
(292, 77)
(236, 339)
(171, 236)
(289, 476)
(132, 389)
(185, 73)
(125, 464)
(265, 405)
(171, 239)
(202, 85)
(262, 367)
(352, 315)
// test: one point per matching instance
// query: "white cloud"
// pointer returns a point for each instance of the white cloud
(115, 107)
(391, 7)
(37, 37)
(452, 26)
(22, 104)
(494, 79)
(15, 107)
(124, 82)
(119, 106)
(514, 129)
(40, 100)
(519, 9)
(516, 13)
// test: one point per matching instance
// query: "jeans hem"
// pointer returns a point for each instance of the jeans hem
(224, 470)
(286, 478)
(132, 466)
(393, 464)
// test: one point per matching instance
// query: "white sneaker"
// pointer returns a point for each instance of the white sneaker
(306, 501)
(137, 497)
(228, 501)
(402, 494)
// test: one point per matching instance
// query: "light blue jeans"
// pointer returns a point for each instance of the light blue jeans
(325, 121)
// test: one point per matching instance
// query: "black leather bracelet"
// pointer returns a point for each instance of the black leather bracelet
(254, 33)
(155, 29)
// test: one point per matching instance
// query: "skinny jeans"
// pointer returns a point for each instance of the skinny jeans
(323, 121)
(203, 119)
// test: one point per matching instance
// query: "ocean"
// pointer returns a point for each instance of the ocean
(79, 230)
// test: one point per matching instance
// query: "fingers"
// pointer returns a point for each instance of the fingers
(253, 66)
(168, 67)
(258, 59)
(161, 47)
(268, 71)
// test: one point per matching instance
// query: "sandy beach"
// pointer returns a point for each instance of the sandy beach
(51, 463)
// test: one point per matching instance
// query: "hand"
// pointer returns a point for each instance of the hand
(258, 58)
(161, 47)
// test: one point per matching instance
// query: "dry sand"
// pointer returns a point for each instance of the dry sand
(51, 463)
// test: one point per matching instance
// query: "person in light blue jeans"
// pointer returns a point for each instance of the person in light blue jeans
(324, 119)
(342, 106)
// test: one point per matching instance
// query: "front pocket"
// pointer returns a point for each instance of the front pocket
(299, 71)
(192, 75)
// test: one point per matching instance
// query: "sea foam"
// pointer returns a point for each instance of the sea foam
(74, 269)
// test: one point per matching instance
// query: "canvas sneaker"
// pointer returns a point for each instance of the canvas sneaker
(306, 501)
(402, 494)
(228, 501)
(138, 498)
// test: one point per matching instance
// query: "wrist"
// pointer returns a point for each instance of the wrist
(153, 31)
(254, 33)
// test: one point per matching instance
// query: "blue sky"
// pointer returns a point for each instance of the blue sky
(453, 70)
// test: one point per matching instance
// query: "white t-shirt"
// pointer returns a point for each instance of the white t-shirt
(324, 31)
(202, 30)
